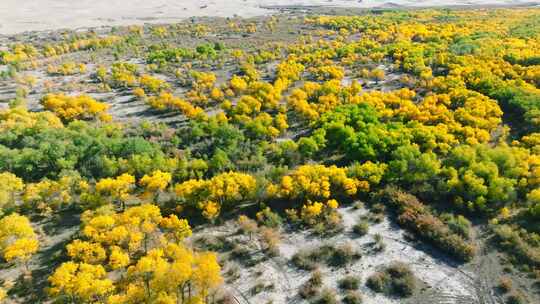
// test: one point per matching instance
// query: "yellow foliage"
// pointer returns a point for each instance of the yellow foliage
(168, 101)
(17, 238)
(76, 107)
(11, 187)
(158, 269)
(158, 181)
(116, 189)
(152, 84)
(317, 181)
(48, 195)
(86, 252)
(210, 195)
(80, 281)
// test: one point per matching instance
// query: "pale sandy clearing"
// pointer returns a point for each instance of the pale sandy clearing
(31, 15)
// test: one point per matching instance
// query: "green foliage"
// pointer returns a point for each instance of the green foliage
(358, 132)
(163, 56)
(464, 46)
(223, 144)
(481, 178)
(521, 106)
(94, 151)
(411, 168)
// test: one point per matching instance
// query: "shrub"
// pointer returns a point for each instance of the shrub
(257, 288)
(303, 260)
(378, 281)
(269, 218)
(352, 297)
(327, 296)
(270, 238)
(379, 245)
(515, 298)
(358, 205)
(214, 243)
(415, 217)
(349, 283)
(246, 225)
(378, 208)
(233, 272)
(361, 228)
(311, 287)
(458, 224)
(396, 280)
(343, 255)
(404, 287)
(510, 240)
(328, 254)
(240, 252)
(505, 284)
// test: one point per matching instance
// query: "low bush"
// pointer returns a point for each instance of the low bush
(352, 297)
(396, 280)
(510, 240)
(349, 283)
(343, 255)
(361, 228)
(505, 284)
(515, 298)
(458, 224)
(327, 296)
(269, 218)
(378, 281)
(304, 260)
(309, 259)
(415, 217)
(311, 287)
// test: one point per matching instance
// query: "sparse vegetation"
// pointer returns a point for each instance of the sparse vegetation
(396, 279)
(361, 228)
(349, 283)
(352, 297)
(218, 158)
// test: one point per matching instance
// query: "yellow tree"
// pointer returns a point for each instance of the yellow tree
(206, 274)
(11, 186)
(18, 241)
(156, 182)
(317, 182)
(80, 283)
(86, 252)
(175, 228)
(143, 248)
(76, 107)
(211, 195)
(116, 189)
(48, 195)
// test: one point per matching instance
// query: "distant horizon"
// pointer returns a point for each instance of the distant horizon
(44, 15)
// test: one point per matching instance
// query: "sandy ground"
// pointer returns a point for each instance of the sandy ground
(36, 15)
(443, 282)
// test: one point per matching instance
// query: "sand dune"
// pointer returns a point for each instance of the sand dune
(29, 15)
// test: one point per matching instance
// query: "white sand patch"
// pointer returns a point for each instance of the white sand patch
(443, 282)
(30, 15)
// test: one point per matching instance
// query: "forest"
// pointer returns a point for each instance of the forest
(374, 156)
